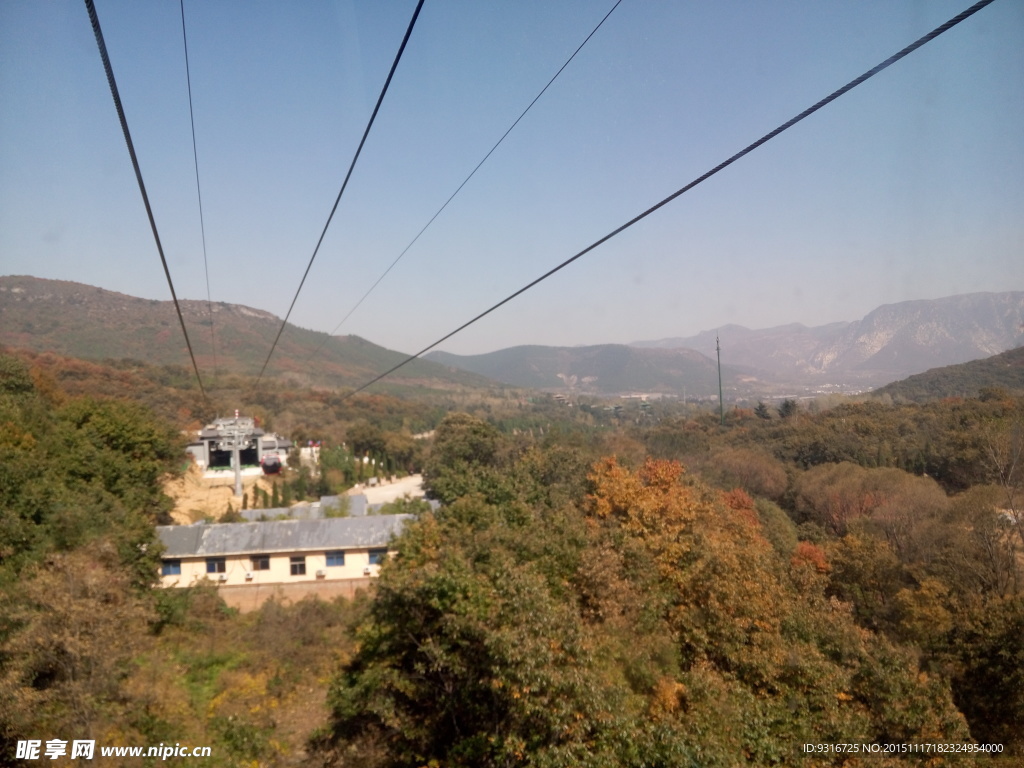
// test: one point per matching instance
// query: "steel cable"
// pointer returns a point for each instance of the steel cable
(724, 164)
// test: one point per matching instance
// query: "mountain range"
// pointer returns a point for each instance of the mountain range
(91, 323)
(599, 369)
(890, 343)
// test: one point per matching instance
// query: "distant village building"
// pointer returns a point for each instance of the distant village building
(289, 559)
(212, 447)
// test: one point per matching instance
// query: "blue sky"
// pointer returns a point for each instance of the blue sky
(909, 187)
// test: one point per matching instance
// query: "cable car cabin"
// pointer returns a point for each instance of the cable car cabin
(271, 465)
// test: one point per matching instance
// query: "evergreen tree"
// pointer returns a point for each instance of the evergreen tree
(787, 409)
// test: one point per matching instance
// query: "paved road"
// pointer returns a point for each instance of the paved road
(381, 494)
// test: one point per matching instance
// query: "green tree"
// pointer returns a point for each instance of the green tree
(466, 457)
(365, 439)
(402, 450)
(987, 650)
(471, 655)
(404, 506)
(787, 408)
(15, 378)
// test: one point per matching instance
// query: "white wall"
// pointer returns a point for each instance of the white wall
(237, 566)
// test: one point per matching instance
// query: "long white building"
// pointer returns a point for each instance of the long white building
(296, 555)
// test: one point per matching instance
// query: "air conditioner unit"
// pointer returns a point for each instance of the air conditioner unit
(321, 573)
(248, 575)
(222, 577)
(367, 571)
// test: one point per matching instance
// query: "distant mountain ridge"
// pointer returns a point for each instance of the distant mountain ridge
(600, 369)
(891, 342)
(91, 323)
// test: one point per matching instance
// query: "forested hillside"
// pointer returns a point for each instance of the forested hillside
(88, 648)
(84, 321)
(1005, 371)
(561, 611)
(600, 586)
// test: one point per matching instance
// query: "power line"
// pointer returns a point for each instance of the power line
(466, 180)
(199, 193)
(380, 99)
(94, 19)
(746, 150)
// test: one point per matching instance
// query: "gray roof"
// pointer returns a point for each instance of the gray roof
(202, 540)
(255, 515)
(302, 511)
(275, 441)
(357, 505)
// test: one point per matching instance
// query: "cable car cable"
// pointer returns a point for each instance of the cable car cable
(94, 19)
(745, 151)
(199, 193)
(466, 180)
(373, 116)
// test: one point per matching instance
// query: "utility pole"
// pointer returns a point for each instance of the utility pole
(236, 455)
(721, 402)
(236, 459)
(235, 443)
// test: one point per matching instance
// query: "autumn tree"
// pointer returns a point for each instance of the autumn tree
(834, 495)
(754, 635)
(755, 471)
(71, 635)
(1004, 459)
(650, 622)
(977, 552)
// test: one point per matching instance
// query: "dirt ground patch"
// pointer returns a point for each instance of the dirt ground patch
(196, 497)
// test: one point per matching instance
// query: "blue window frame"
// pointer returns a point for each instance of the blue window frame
(171, 568)
(216, 565)
(378, 556)
(335, 558)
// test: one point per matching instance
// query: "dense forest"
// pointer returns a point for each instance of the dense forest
(633, 585)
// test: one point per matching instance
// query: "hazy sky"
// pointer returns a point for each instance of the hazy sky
(909, 187)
